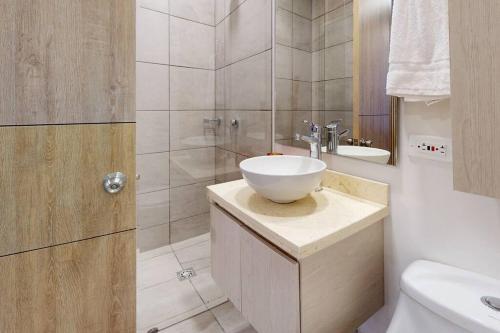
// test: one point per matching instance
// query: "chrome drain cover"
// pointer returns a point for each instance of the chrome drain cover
(186, 274)
(491, 302)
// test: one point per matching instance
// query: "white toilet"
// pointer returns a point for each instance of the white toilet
(436, 298)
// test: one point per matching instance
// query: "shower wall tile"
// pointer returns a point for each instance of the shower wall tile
(248, 83)
(189, 227)
(153, 209)
(219, 10)
(192, 89)
(348, 12)
(301, 95)
(302, 8)
(298, 118)
(283, 27)
(158, 5)
(283, 94)
(318, 33)
(318, 66)
(189, 131)
(252, 136)
(335, 95)
(188, 201)
(196, 10)
(318, 8)
(285, 4)
(335, 62)
(302, 65)
(220, 89)
(153, 237)
(318, 96)
(192, 166)
(283, 62)
(283, 123)
(348, 93)
(192, 44)
(333, 4)
(152, 42)
(247, 30)
(227, 165)
(152, 132)
(302, 32)
(335, 27)
(153, 170)
(152, 86)
(348, 59)
(220, 56)
(231, 5)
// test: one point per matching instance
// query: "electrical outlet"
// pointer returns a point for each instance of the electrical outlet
(430, 147)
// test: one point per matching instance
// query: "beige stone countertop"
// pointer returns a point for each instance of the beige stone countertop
(346, 205)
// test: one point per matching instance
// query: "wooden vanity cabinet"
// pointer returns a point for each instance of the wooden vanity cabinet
(331, 291)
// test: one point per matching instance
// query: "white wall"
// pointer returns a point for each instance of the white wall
(428, 219)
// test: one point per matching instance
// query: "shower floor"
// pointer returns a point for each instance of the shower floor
(183, 304)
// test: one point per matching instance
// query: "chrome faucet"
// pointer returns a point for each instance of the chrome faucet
(334, 135)
(314, 139)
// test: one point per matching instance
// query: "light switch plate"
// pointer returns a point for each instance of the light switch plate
(430, 147)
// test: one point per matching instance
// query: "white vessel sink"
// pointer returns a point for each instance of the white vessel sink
(365, 153)
(283, 178)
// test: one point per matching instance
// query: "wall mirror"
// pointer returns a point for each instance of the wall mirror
(331, 60)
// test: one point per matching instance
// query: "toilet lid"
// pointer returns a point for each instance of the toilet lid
(454, 294)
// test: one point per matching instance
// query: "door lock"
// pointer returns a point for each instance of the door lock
(114, 182)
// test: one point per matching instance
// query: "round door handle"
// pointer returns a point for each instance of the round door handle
(114, 182)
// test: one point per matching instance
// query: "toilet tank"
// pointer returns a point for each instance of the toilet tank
(453, 294)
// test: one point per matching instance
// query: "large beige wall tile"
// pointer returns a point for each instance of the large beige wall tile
(348, 59)
(302, 8)
(283, 125)
(283, 62)
(152, 209)
(335, 28)
(283, 94)
(335, 62)
(318, 33)
(158, 5)
(192, 89)
(253, 136)
(318, 66)
(188, 129)
(283, 27)
(248, 30)
(220, 53)
(190, 200)
(318, 8)
(302, 33)
(153, 237)
(285, 4)
(248, 83)
(196, 10)
(153, 170)
(220, 89)
(192, 44)
(152, 131)
(152, 40)
(152, 86)
(335, 94)
(192, 166)
(189, 227)
(333, 4)
(318, 96)
(302, 65)
(227, 165)
(219, 10)
(301, 95)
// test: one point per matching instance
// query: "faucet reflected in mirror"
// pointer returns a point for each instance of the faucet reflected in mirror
(335, 78)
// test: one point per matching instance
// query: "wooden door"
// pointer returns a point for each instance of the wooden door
(67, 118)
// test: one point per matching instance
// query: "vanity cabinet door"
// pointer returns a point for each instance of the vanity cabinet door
(225, 254)
(269, 286)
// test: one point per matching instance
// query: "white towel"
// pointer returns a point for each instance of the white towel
(419, 59)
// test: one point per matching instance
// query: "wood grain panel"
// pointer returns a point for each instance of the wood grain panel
(269, 287)
(67, 61)
(51, 183)
(87, 286)
(378, 129)
(225, 254)
(475, 95)
(343, 285)
(372, 53)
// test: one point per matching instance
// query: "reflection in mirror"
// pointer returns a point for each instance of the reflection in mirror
(331, 67)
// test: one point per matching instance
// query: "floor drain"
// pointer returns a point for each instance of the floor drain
(185, 274)
(154, 330)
